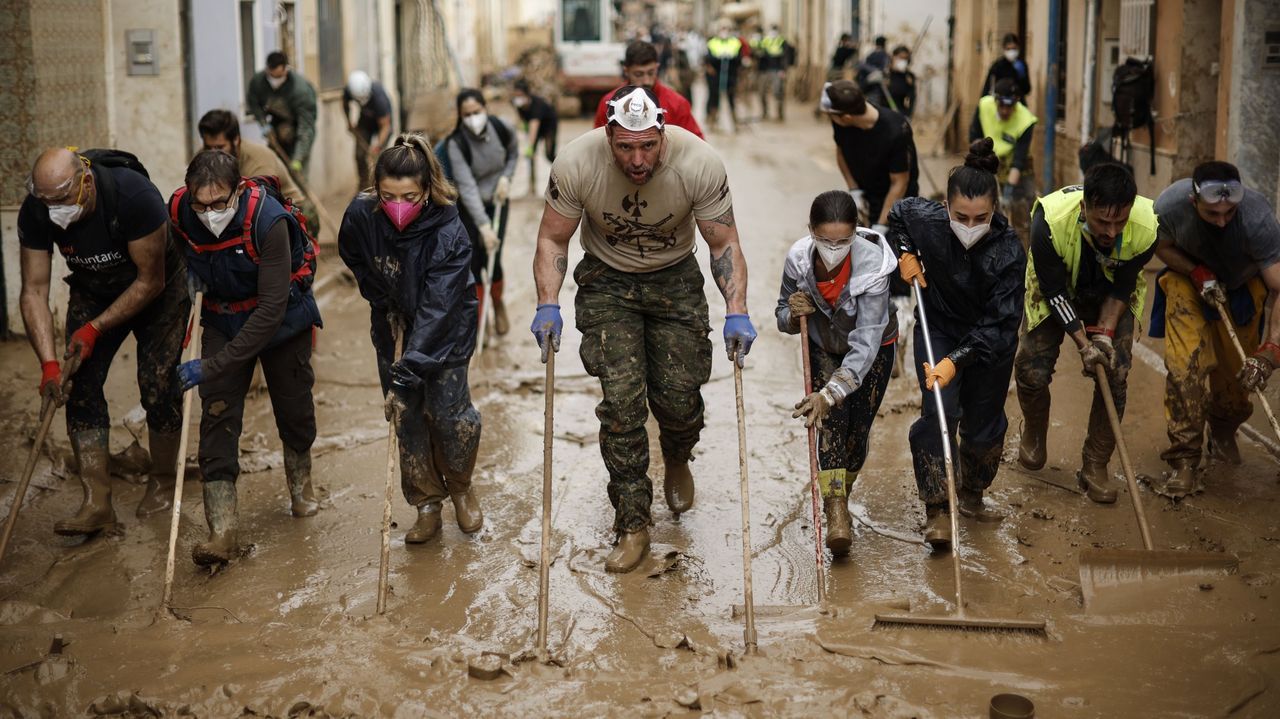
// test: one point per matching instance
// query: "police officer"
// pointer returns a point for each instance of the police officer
(721, 65)
(255, 264)
(775, 55)
(108, 221)
(1002, 117)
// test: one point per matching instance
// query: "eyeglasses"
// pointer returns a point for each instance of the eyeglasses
(216, 205)
(837, 241)
(1215, 191)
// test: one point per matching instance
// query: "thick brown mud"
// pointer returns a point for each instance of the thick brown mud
(290, 629)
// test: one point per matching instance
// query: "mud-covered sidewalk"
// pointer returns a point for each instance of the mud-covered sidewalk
(291, 630)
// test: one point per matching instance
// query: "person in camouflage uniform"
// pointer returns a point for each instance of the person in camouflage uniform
(642, 188)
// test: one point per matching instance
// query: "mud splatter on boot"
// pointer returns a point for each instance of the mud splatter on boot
(632, 547)
(1032, 452)
(937, 529)
(297, 472)
(95, 513)
(678, 486)
(1222, 445)
(1097, 482)
(839, 525)
(220, 514)
(972, 506)
(427, 526)
(158, 496)
(467, 511)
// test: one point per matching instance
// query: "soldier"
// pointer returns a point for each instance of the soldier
(127, 277)
(641, 189)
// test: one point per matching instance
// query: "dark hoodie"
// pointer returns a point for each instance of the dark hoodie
(422, 276)
(974, 296)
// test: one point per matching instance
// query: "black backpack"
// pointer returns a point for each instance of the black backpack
(442, 147)
(109, 158)
(1133, 89)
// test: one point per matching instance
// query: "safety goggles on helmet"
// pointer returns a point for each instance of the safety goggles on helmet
(636, 111)
(1215, 191)
(1007, 100)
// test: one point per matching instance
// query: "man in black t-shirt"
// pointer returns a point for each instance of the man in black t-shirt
(372, 124)
(127, 277)
(874, 149)
(541, 122)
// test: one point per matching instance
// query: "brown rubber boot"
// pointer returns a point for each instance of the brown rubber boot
(678, 486)
(972, 506)
(297, 472)
(500, 323)
(220, 514)
(937, 529)
(839, 526)
(428, 525)
(467, 511)
(1222, 445)
(628, 552)
(158, 495)
(1097, 482)
(1032, 451)
(1181, 480)
(95, 513)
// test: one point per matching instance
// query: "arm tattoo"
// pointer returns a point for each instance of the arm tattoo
(722, 270)
(562, 264)
(726, 219)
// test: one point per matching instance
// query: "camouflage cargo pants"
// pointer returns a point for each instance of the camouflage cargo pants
(645, 336)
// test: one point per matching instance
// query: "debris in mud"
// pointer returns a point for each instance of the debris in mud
(485, 667)
(1041, 513)
(687, 697)
(127, 704)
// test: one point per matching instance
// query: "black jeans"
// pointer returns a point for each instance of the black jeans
(287, 369)
(159, 329)
(479, 255)
(846, 431)
(974, 405)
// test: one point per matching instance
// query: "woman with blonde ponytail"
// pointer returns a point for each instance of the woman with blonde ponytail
(411, 257)
(970, 265)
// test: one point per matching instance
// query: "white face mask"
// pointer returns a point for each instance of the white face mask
(519, 101)
(276, 82)
(64, 215)
(832, 255)
(969, 236)
(901, 65)
(477, 122)
(217, 220)
(1011, 54)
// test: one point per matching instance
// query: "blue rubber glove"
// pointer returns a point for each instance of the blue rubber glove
(738, 336)
(190, 374)
(546, 328)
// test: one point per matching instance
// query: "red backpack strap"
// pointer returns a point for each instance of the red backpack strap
(175, 204)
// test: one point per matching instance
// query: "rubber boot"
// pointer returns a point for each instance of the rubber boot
(1035, 428)
(500, 323)
(1222, 445)
(428, 525)
(1181, 480)
(297, 472)
(220, 514)
(95, 514)
(1097, 482)
(972, 506)
(467, 511)
(678, 486)
(627, 553)
(158, 496)
(937, 528)
(839, 526)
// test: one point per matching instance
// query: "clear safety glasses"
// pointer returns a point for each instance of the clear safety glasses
(1215, 191)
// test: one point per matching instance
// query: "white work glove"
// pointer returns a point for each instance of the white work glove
(489, 238)
(502, 191)
(859, 201)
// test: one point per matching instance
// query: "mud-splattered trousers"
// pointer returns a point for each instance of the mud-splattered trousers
(644, 335)
(158, 329)
(974, 405)
(439, 432)
(1202, 365)
(846, 430)
(1038, 354)
(287, 369)
(479, 255)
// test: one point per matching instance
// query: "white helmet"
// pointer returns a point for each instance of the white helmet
(360, 86)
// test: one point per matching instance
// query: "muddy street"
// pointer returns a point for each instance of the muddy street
(291, 629)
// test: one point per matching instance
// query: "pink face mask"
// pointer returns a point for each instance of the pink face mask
(401, 213)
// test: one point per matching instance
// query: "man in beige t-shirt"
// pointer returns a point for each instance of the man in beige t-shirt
(642, 188)
(220, 130)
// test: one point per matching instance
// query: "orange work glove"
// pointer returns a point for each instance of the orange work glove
(941, 374)
(909, 268)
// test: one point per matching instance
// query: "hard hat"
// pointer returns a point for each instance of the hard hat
(636, 111)
(360, 86)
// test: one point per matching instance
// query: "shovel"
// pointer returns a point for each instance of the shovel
(393, 457)
(544, 557)
(1101, 569)
(47, 410)
(180, 472)
(486, 285)
(1262, 398)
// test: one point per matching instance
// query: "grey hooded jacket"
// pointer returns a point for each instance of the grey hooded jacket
(861, 321)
